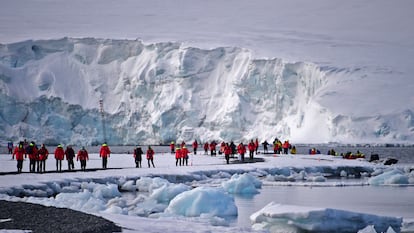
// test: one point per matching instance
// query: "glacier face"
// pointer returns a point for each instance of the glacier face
(154, 93)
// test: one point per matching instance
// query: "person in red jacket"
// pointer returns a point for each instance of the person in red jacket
(206, 148)
(150, 156)
(195, 146)
(19, 152)
(252, 148)
(178, 156)
(241, 149)
(32, 151)
(286, 147)
(227, 152)
(213, 148)
(43, 154)
(59, 156)
(104, 153)
(184, 155)
(256, 145)
(82, 157)
(172, 147)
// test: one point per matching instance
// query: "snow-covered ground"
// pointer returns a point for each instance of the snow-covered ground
(198, 197)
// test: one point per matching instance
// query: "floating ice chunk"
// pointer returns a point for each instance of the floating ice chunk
(106, 191)
(166, 193)
(114, 210)
(312, 219)
(242, 184)
(147, 184)
(316, 178)
(368, 229)
(394, 176)
(129, 186)
(203, 200)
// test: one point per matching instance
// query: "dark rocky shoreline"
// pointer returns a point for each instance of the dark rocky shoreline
(43, 219)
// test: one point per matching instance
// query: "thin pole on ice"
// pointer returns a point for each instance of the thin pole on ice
(103, 119)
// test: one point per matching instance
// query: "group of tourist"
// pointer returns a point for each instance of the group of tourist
(38, 156)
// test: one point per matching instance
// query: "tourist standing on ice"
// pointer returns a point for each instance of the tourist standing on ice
(195, 146)
(286, 147)
(138, 156)
(32, 152)
(59, 156)
(82, 157)
(178, 156)
(172, 147)
(43, 154)
(104, 153)
(206, 148)
(293, 150)
(70, 156)
(19, 152)
(184, 155)
(10, 147)
(213, 148)
(252, 148)
(256, 145)
(233, 149)
(227, 152)
(150, 156)
(241, 149)
(265, 147)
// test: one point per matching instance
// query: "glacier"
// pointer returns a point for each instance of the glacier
(154, 93)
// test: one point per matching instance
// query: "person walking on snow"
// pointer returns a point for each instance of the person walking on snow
(10, 147)
(252, 148)
(184, 155)
(59, 156)
(43, 154)
(70, 155)
(286, 147)
(227, 152)
(206, 146)
(82, 157)
(256, 145)
(195, 146)
(32, 152)
(150, 156)
(172, 147)
(104, 153)
(19, 152)
(178, 156)
(241, 149)
(138, 156)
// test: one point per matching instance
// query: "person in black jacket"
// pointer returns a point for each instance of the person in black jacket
(138, 156)
(70, 155)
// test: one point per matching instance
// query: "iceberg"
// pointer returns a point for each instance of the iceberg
(291, 218)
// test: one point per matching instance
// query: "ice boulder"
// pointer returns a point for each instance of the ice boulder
(290, 218)
(242, 184)
(393, 176)
(167, 192)
(203, 200)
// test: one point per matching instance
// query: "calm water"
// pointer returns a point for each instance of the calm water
(384, 201)
(380, 200)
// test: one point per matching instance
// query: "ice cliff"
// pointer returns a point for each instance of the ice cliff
(154, 93)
